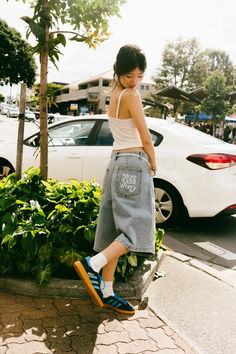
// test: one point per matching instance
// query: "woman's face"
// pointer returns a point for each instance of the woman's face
(132, 79)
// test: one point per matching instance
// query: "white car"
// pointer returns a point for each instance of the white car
(29, 115)
(13, 112)
(4, 108)
(196, 172)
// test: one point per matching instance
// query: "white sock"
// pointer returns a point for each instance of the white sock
(98, 262)
(108, 289)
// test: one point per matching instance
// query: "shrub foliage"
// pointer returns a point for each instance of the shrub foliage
(46, 226)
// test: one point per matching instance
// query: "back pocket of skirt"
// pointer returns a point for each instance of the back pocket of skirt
(128, 182)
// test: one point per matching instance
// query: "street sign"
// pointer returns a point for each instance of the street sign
(73, 106)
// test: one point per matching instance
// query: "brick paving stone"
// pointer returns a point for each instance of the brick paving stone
(101, 328)
(82, 330)
(141, 314)
(7, 299)
(28, 348)
(170, 351)
(12, 338)
(65, 307)
(38, 314)
(163, 341)
(106, 315)
(113, 325)
(85, 312)
(78, 302)
(135, 331)
(60, 321)
(45, 304)
(31, 323)
(59, 343)
(112, 338)
(35, 333)
(137, 346)
(12, 326)
(182, 344)
(168, 331)
(21, 307)
(6, 317)
(24, 299)
(151, 322)
(105, 349)
(84, 344)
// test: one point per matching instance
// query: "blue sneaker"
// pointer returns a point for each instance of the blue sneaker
(118, 304)
(91, 279)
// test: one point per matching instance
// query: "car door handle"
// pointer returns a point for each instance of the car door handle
(74, 156)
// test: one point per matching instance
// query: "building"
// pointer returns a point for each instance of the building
(92, 94)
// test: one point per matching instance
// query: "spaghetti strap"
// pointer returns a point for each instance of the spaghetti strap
(118, 104)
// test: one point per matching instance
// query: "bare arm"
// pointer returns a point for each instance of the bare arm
(133, 102)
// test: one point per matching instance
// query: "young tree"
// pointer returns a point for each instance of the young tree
(16, 65)
(216, 104)
(89, 21)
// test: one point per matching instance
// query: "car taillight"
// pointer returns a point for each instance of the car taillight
(213, 161)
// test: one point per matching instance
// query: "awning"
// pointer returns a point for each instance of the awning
(201, 116)
(174, 92)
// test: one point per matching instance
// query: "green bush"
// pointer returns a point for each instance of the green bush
(46, 226)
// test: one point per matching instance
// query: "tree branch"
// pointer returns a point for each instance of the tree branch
(70, 32)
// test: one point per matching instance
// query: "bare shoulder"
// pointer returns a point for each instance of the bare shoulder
(131, 94)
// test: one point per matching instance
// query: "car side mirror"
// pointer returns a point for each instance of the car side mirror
(34, 141)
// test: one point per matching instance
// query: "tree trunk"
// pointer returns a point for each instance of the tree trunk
(43, 102)
(214, 126)
(19, 154)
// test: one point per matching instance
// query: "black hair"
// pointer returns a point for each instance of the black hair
(129, 58)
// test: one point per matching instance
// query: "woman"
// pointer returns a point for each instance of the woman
(126, 219)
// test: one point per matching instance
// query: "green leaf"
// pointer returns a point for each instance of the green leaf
(89, 235)
(38, 219)
(43, 274)
(66, 228)
(62, 39)
(69, 256)
(7, 239)
(62, 208)
(133, 260)
(23, 266)
(45, 253)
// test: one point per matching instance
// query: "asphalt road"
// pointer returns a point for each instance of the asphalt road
(9, 128)
(209, 239)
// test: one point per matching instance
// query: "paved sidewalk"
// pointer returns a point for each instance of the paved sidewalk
(198, 301)
(30, 325)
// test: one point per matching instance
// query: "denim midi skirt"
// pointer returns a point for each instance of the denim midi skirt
(127, 210)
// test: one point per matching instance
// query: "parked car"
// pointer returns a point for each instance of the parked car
(4, 108)
(57, 117)
(29, 115)
(196, 172)
(13, 112)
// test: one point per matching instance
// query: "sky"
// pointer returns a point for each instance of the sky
(150, 24)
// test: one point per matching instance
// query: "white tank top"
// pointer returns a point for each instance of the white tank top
(124, 131)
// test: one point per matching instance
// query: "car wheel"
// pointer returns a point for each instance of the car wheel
(168, 204)
(5, 169)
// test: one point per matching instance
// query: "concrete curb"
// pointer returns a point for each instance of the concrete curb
(223, 274)
(134, 289)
